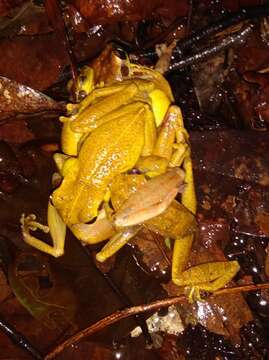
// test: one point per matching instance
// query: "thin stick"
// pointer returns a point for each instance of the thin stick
(19, 339)
(249, 13)
(232, 40)
(122, 314)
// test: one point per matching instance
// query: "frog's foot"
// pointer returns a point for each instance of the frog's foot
(209, 276)
(56, 227)
(193, 293)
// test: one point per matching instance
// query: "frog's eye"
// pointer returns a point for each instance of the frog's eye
(121, 48)
(121, 53)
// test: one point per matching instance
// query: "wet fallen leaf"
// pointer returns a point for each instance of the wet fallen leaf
(16, 98)
(103, 11)
(5, 289)
(39, 335)
(15, 131)
(266, 268)
(6, 6)
(97, 352)
(28, 19)
(237, 154)
(152, 254)
(43, 291)
(35, 61)
(170, 349)
(262, 219)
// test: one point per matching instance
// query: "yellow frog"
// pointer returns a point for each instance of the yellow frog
(126, 163)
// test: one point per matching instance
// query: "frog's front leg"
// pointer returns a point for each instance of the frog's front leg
(56, 227)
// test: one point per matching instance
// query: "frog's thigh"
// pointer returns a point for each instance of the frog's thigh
(210, 276)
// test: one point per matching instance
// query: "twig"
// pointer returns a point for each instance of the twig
(248, 13)
(122, 314)
(19, 339)
(231, 40)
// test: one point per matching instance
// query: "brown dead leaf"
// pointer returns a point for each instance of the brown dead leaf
(102, 11)
(233, 312)
(15, 131)
(7, 5)
(5, 289)
(35, 61)
(262, 220)
(209, 315)
(83, 349)
(266, 268)
(170, 349)
(16, 98)
(238, 155)
(153, 252)
(39, 335)
(28, 19)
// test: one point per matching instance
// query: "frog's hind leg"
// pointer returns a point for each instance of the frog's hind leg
(56, 227)
(209, 276)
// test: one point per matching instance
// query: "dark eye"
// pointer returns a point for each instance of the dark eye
(120, 53)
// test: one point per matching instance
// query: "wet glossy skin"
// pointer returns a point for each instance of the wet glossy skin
(128, 125)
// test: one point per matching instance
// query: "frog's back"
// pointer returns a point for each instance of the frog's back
(111, 149)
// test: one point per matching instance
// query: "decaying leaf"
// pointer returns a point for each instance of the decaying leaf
(153, 254)
(16, 98)
(28, 19)
(266, 267)
(5, 290)
(42, 291)
(97, 350)
(15, 131)
(262, 220)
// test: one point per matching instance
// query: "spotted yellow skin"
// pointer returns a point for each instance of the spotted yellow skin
(111, 149)
(126, 125)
